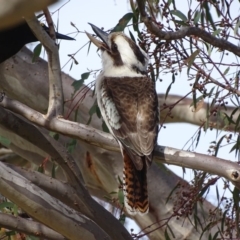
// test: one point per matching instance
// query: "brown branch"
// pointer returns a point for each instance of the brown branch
(50, 24)
(185, 31)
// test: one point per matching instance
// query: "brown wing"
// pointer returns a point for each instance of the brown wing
(135, 100)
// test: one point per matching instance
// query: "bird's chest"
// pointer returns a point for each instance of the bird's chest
(121, 98)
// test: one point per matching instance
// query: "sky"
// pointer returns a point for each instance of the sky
(106, 13)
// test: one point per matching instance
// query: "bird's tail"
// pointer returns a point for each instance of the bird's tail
(135, 187)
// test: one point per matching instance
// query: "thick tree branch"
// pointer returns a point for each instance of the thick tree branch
(11, 12)
(57, 189)
(45, 208)
(230, 171)
(66, 127)
(29, 227)
(217, 166)
(55, 105)
(176, 109)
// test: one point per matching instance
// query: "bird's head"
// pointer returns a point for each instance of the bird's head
(120, 55)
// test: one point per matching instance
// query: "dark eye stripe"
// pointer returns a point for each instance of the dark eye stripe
(117, 57)
(138, 54)
(136, 51)
(115, 54)
(114, 47)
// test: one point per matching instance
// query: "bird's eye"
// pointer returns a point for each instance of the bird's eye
(114, 47)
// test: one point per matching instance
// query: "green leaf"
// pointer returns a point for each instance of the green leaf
(216, 32)
(89, 45)
(179, 14)
(215, 236)
(206, 124)
(10, 233)
(217, 194)
(236, 28)
(196, 17)
(198, 137)
(123, 22)
(54, 167)
(207, 228)
(197, 219)
(54, 135)
(171, 231)
(122, 218)
(218, 145)
(98, 112)
(169, 87)
(29, 237)
(91, 111)
(172, 191)
(226, 71)
(121, 197)
(208, 15)
(113, 192)
(237, 123)
(236, 146)
(191, 59)
(15, 210)
(71, 145)
(36, 52)
(71, 66)
(135, 20)
(104, 127)
(223, 220)
(132, 37)
(40, 168)
(236, 200)
(4, 141)
(196, 100)
(6, 205)
(77, 84)
(211, 91)
(169, 3)
(166, 235)
(182, 23)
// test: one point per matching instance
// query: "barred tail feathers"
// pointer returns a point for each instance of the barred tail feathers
(135, 187)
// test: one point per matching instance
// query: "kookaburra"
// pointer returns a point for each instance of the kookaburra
(128, 103)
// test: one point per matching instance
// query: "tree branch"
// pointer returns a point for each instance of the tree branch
(29, 227)
(55, 105)
(45, 208)
(231, 171)
(11, 12)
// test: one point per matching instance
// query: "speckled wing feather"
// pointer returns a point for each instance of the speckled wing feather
(135, 101)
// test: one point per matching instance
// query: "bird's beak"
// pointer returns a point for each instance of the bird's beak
(64, 37)
(102, 35)
(58, 35)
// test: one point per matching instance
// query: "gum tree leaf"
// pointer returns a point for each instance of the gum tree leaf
(36, 52)
(123, 22)
(77, 84)
(179, 14)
